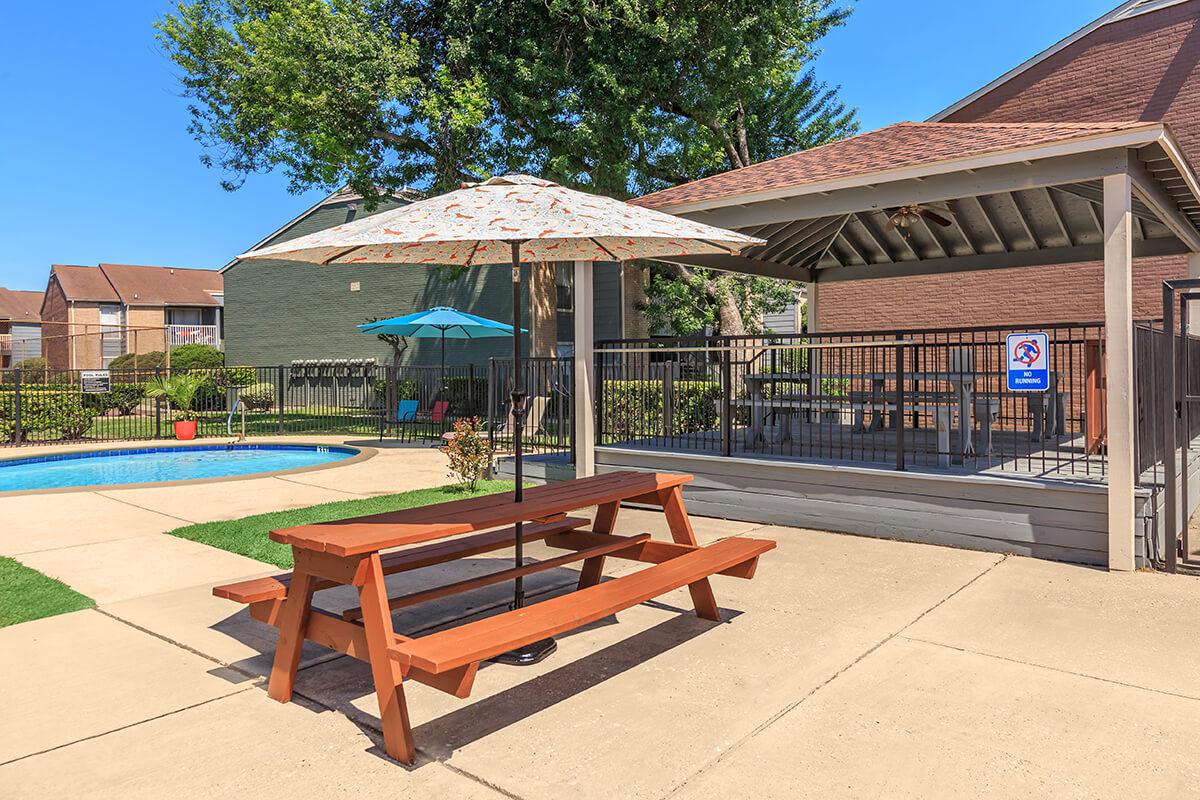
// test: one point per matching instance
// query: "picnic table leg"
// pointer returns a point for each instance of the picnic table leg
(293, 622)
(680, 526)
(593, 568)
(377, 624)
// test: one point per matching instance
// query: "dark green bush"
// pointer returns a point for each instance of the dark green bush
(635, 408)
(45, 413)
(196, 356)
(227, 377)
(259, 397)
(141, 361)
(467, 395)
(406, 389)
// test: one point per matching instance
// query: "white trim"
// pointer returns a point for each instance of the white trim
(1127, 10)
(1130, 137)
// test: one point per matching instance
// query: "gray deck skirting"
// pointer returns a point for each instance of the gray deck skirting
(1063, 520)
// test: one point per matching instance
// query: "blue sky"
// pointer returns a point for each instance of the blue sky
(99, 166)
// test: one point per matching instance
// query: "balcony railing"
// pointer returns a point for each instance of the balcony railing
(195, 334)
(5, 342)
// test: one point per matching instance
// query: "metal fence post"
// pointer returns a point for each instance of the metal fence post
(157, 407)
(491, 404)
(279, 395)
(18, 434)
(727, 402)
(900, 407)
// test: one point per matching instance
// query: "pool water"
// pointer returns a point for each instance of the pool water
(159, 464)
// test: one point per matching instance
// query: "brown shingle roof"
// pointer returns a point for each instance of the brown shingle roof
(136, 285)
(20, 306)
(905, 144)
(164, 286)
(84, 283)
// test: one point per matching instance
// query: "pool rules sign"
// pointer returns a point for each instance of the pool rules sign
(1028, 362)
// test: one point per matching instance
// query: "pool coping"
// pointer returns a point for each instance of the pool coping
(363, 453)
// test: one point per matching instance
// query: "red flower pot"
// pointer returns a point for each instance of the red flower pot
(185, 429)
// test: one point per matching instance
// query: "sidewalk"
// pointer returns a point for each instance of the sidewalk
(850, 667)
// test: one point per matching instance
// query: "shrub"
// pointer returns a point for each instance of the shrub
(141, 361)
(635, 408)
(196, 356)
(50, 411)
(180, 389)
(125, 397)
(466, 395)
(469, 453)
(234, 377)
(33, 371)
(259, 397)
(35, 364)
(406, 389)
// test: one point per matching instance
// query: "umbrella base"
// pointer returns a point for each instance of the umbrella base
(528, 655)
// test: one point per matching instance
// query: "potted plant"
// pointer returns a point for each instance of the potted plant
(180, 390)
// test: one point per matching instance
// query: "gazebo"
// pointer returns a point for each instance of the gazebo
(1008, 195)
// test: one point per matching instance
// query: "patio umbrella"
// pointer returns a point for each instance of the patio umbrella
(440, 322)
(510, 219)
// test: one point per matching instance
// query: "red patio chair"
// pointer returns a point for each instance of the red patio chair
(440, 409)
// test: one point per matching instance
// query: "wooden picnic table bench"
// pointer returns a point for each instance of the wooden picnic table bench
(348, 552)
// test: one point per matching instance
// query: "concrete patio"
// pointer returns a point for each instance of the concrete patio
(850, 667)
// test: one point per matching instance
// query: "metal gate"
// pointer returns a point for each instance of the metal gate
(1181, 393)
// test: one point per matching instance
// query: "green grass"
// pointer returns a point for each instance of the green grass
(248, 536)
(27, 594)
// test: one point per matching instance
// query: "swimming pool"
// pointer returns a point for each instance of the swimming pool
(160, 464)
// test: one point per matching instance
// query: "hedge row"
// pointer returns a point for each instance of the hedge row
(59, 412)
(635, 408)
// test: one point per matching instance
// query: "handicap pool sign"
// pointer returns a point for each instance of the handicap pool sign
(1028, 362)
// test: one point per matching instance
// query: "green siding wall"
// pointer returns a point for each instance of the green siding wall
(278, 311)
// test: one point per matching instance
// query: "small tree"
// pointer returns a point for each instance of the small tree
(469, 454)
(180, 390)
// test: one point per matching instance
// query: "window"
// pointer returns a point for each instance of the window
(112, 333)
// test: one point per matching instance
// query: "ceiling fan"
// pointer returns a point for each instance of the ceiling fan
(908, 215)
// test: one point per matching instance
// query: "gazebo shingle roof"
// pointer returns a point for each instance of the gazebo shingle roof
(904, 144)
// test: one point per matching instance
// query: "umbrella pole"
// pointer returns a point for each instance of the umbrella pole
(535, 652)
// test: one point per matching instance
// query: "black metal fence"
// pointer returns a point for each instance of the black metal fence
(1150, 377)
(410, 403)
(928, 398)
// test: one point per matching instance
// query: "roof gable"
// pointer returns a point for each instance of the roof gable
(1127, 10)
(164, 286)
(905, 144)
(20, 305)
(83, 283)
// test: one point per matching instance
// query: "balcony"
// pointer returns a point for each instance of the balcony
(195, 334)
(5, 342)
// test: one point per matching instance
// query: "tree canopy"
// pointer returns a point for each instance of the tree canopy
(616, 96)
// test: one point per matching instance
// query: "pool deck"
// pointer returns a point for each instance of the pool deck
(850, 667)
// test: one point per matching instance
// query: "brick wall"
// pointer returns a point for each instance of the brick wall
(1143, 68)
(55, 348)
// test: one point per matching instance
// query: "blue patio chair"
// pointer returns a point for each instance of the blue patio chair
(406, 411)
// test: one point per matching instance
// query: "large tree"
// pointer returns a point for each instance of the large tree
(619, 96)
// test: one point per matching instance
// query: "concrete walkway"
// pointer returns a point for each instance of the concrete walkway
(850, 667)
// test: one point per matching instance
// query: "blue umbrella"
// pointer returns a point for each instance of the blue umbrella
(442, 323)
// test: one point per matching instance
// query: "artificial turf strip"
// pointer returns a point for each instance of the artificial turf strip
(248, 536)
(27, 594)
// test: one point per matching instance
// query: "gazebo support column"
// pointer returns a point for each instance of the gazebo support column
(584, 372)
(1118, 332)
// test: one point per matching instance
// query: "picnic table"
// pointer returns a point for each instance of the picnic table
(351, 552)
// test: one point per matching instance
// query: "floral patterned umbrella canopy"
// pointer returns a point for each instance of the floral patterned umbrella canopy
(510, 219)
(478, 223)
